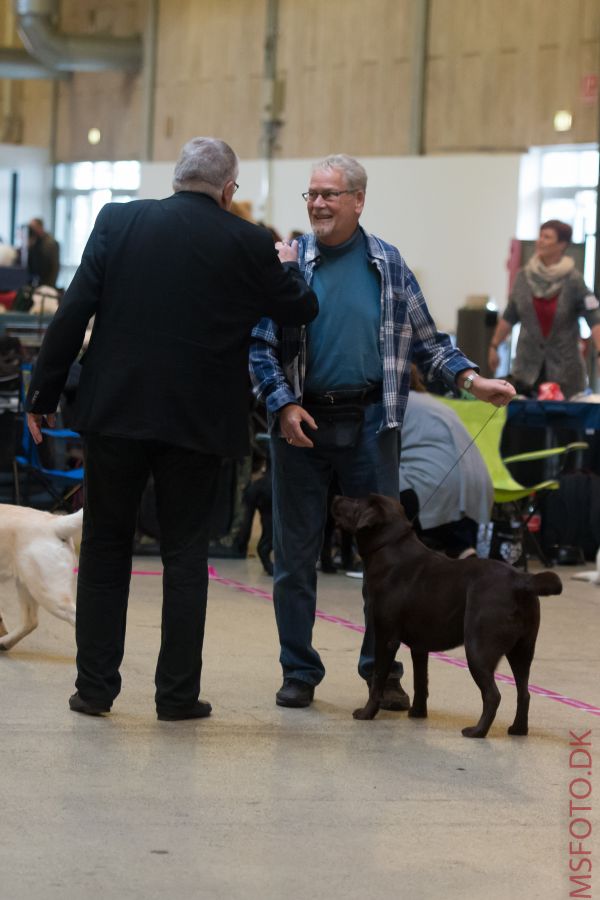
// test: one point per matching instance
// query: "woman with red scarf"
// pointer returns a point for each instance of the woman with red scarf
(548, 297)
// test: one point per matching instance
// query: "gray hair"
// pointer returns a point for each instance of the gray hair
(205, 164)
(356, 176)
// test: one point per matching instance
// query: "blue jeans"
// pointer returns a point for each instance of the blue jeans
(301, 479)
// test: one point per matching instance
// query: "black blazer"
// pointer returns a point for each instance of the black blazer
(176, 286)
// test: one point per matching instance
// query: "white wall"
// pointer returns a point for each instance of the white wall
(34, 187)
(452, 217)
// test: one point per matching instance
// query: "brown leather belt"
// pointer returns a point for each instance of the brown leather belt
(359, 397)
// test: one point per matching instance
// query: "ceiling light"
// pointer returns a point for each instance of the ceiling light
(563, 120)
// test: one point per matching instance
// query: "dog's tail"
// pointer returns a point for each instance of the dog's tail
(544, 583)
(66, 527)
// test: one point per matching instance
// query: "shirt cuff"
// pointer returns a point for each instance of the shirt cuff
(278, 398)
(453, 367)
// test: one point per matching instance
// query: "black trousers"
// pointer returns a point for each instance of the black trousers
(116, 472)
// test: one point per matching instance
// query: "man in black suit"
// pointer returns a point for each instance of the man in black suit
(175, 286)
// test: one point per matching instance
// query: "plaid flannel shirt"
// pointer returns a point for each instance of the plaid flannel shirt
(407, 332)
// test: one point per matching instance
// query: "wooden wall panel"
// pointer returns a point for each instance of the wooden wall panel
(110, 101)
(505, 67)
(36, 112)
(25, 106)
(497, 71)
(209, 74)
(346, 70)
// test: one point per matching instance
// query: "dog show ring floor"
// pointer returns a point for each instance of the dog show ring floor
(263, 803)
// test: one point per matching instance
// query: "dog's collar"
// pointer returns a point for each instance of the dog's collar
(390, 536)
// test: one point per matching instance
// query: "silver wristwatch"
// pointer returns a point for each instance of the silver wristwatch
(468, 382)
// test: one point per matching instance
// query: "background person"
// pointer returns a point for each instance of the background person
(451, 500)
(175, 286)
(548, 297)
(43, 254)
(350, 369)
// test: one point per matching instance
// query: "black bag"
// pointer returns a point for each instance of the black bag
(339, 427)
(571, 515)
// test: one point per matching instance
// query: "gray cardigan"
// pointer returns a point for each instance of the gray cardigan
(560, 349)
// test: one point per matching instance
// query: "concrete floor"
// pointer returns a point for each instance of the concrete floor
(261, 802)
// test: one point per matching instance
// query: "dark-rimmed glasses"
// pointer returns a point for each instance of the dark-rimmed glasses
(328, 196)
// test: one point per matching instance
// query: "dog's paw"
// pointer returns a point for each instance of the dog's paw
(362, 713)
(518, 730)
(473, 732)
(2, 647)
(417, 712)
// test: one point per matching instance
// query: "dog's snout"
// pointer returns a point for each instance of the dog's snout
(341, 508)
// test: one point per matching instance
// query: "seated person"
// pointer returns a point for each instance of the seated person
(433, 439)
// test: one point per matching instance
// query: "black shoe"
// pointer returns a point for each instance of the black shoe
(78, 704)
(394, 696)
(199, 710)
(294, 693)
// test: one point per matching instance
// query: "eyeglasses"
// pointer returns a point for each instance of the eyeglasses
(328, 196)
(235, 186)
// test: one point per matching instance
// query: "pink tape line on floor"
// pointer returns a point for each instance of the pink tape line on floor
(352, 626)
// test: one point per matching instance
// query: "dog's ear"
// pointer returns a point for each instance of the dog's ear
(380, 510)
(367, 518)
(372, 513)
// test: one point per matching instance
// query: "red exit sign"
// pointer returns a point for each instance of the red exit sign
(589, 88)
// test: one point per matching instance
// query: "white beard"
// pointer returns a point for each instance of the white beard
(322, 227)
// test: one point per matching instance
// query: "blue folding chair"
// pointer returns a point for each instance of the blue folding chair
(61, 484)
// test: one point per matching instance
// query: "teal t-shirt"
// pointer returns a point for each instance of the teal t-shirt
(343, 341)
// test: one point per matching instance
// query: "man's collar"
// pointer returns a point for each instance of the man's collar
(197, 194)
(311, 252)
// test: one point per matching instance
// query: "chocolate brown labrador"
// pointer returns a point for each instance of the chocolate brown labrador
(433, 603)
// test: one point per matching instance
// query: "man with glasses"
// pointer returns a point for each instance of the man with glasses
(336, 392)
(176, 286)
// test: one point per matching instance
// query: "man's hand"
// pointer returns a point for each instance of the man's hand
(287, 252)
(493, 390)
(35, 422)
(290, 419)
(493, 358)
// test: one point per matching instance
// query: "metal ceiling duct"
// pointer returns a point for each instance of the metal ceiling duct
(16, 63)
(36, 24)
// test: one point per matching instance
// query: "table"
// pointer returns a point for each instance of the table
(561, 422)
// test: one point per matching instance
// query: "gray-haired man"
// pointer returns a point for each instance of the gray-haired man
(176, 286)
(350, 369)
